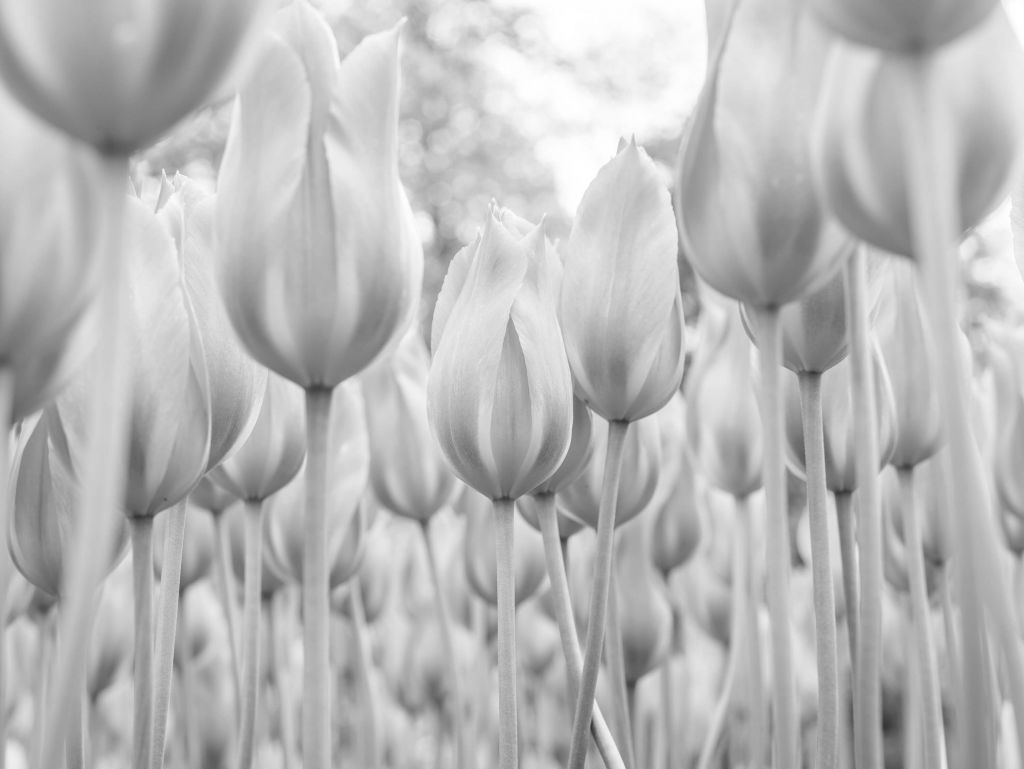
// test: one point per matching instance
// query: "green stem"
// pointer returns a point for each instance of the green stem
(142, 582)
(251, 631)
(927, 678)
(372, 759)
(167, 629)
(821, 571)
(225, 591)
(936, 228)
(279, 622)
(737, 629)
(554, 555)
(598, 594)
(316, 694)
(777, 541)
(447, 638)
(615, 658)
(508, 730)
(758, 729)
(867, 719)
(851, 572)
(103, 465)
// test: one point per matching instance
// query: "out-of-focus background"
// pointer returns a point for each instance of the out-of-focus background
(522, 101)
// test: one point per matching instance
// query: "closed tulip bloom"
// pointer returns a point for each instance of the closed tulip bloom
(499, 394)
(408, 473)
(212, 496)
(581, 448)
(530, 509)
(903, 26)
(839, 420)
(111, 645)
(861, 165)
(905, 340)
(645, 616)
(237, 382)
(271, 456)
(750, 219)
(47, 231)
(118, 76)
(620, 308)
(641, 470)
(723, 421)
(319, 254)
(677, 526)
(274, 574)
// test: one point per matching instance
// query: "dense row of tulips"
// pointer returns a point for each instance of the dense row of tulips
(230, 384)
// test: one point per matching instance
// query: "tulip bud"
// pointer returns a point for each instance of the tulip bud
(529, 508)
(271, 456)
(212, 496)
(274, 574)
(540, 645)
(839, 420)
(641, 468)
(408, 473)
(119, 76)
(320, 258)
(935, 536)
(722, 419)
(750, 219)
(374, 581)
(905, 340)
(237, 382)
(499, 394)
(47, 233)
(894, 550)
(479, 552)
(111, 644)
(348, 459)
(861, 164)
(905, 26)
(621, 309)
(645, 616)
(577, 458)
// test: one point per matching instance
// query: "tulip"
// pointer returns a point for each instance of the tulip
(622, 317)
(499, 394)
(677, 526)
(111, 643)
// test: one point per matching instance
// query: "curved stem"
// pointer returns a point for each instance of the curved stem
(927, 675)
(316, 693)
(617, 672)
(251, 631)
(867, 716)
(103, 466)
(848, 557)
(777, 542)
(167, 629)
(821, 569)
(225, 591)
(372, 759)
(936, 229)
(508, 728)
(598, 594)
(445, 620)
(279, 623)
(737, 622)
(758, 729)
(554, 556)
(142, 583)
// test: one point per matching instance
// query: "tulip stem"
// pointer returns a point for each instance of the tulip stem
(555, 560)
(447, 638)
(668, 714)
(316, 694)
(187, 688)
(598, 594)
(6, 405)
(753, 626)
(821, 569)
(279, 618)
(615, 658)
(47, 641)
(936, 229)
(777, 541)
(848, 558)
(934, 741)
(104, 464)
(508, 729)
(225, 589)
(371, 742)
(167, 629)
(142, 583)
(867, 715)
(251, 630)
(737, 629)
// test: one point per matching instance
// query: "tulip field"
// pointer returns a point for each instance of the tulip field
(270, 502)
